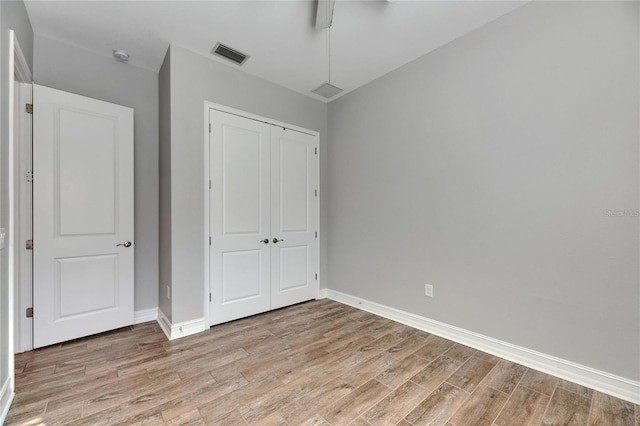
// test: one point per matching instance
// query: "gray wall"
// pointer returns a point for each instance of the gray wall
(492, 168)
(194, 79)
(66, 67)
(13, 16)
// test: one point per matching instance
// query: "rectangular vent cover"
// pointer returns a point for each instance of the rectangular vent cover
(229, 53)
(327, 90)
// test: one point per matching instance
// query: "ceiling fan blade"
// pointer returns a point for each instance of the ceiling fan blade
(324, 14)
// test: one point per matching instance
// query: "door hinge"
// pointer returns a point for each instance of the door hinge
(209, 127)
(29, 108)
(209, 240)
(29, 176)
(316, 192)
(29, 312)
(209, 183)
(316, 277)
(316, 151)
(209, 297)
(29, 245)
(316, 234)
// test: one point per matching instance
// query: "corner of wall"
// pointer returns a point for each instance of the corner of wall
(164, 165)
(182, 329)
(145, 315)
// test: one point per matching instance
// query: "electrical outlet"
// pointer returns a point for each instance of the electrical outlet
(428, 290)
(168, 292)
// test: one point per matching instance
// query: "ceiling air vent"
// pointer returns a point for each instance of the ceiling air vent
(229, 53)
(327, 90)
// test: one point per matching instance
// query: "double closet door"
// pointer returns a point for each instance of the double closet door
(263, 216)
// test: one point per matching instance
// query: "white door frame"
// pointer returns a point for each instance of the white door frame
(17, 70)
(24, 215)
(18, 222)
(21, 142)
(207, 232)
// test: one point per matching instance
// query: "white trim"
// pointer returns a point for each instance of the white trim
(319, 222)
(24, 282)
(611, 384)
(10, 229)
(21, 74)
(323, 293)
(6, 397)
(223, 108)
(207, 232)
(182, 329)
(145, 315)
(164, 323)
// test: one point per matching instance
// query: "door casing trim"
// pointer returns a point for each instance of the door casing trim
(18, 71)
(24, 281)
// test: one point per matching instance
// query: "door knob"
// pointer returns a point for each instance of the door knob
(126, 244)
(275, 241)
(266, 241)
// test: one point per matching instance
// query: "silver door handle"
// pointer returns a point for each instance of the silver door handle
(276, 241)
(266, 241)
(126, 244)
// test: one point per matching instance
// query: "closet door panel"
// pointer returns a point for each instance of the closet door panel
(294, 254)
(240, 255)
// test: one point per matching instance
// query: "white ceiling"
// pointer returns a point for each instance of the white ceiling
(368, 38)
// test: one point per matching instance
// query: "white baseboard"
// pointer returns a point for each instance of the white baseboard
(323, 293)
(164, 323)
(601, 381)
(182, 329)
(145, 315)
(6, 397)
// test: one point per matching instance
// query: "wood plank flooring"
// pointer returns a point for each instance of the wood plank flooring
(317, 363)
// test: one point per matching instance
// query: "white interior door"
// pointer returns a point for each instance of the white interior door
(294, 217)
(239, 217)
(83, 216)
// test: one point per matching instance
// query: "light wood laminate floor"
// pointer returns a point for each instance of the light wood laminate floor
(317, 363)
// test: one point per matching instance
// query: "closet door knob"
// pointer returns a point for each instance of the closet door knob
(275, 241)
(266, 241)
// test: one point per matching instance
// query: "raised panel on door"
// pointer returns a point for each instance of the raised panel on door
(83, 208)
(294, 217)
(72, 294)
(239, 217)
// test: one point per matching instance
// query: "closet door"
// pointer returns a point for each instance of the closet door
(239, 219)
(294, 217)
